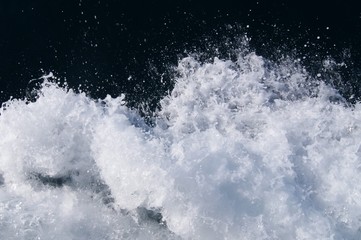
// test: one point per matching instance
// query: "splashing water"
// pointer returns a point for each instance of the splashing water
(240, 150)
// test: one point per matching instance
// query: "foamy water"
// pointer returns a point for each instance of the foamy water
(240, 150)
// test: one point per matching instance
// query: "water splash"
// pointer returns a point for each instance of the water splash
(245, 149)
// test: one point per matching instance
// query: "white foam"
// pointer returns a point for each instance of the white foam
(240, 150)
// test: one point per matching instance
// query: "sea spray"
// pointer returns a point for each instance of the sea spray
(245, 149)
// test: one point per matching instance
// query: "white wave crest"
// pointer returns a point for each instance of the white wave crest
(240, 150)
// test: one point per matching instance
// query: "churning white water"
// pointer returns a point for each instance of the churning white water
(240, 150)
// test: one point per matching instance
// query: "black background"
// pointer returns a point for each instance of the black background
(113, 47)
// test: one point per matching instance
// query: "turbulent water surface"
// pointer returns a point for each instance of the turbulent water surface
(242, 149)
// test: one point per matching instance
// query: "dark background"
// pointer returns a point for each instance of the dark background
(113, 47)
